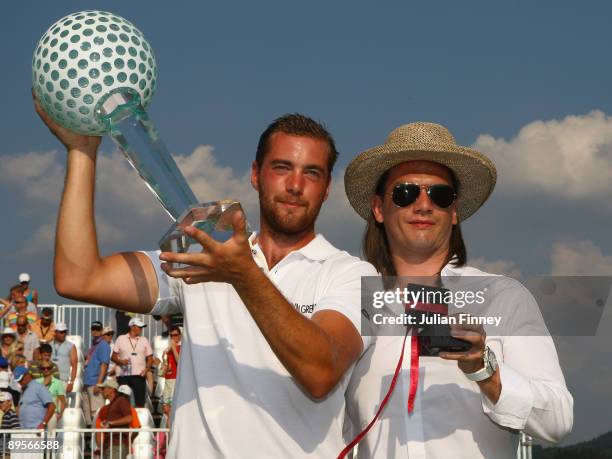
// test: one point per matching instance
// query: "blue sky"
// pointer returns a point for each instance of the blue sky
(526, 82)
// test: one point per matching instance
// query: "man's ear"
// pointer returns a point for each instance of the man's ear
(376, 206)
(255, 176)
(455, 217)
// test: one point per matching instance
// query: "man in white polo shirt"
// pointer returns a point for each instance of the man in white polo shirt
(271, 321)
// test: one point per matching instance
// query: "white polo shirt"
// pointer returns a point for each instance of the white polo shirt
(233, 397)
(451, 417)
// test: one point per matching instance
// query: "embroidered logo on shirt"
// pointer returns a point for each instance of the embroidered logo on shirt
(304, 308)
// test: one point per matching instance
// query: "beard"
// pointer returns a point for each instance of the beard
(287, 221)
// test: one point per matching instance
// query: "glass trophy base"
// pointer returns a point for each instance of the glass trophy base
(214, 218)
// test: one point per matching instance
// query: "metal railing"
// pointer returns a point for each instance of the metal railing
(144, 443)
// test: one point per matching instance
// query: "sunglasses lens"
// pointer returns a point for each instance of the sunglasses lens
(442, 195)
(405, 194)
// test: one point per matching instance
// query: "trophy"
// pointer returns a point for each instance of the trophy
(95, 73)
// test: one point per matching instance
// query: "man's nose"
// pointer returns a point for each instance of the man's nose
(295, 183)
(423, 203)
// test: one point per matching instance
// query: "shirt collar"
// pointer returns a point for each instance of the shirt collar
(318, 249)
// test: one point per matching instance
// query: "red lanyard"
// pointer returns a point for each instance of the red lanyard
(398, 368)
(414, 374)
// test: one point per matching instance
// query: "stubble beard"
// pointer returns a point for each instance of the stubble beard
(289, 223)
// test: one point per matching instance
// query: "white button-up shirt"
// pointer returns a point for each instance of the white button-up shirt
(451, 417)
(233, 397)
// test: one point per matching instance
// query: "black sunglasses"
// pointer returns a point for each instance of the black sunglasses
(45, 368)
(174, 334)
(405, 194)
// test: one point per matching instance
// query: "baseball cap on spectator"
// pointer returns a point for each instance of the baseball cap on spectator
(60, 327)
(19, 373)
(96, 325)
(4, 363)
(47, 312)
(24, 277)
(5, 397)
(5, 380)
(137, 321)
(125, 389)
(112, 383)
(108, 330)
(8, 331)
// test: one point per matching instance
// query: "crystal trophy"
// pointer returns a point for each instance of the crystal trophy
(95, 73)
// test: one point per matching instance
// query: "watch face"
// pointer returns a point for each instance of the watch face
(490, 360)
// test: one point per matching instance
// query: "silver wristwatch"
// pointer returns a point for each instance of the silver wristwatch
(490, 367)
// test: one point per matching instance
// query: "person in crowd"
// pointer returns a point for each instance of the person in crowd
(26, 337)
(44, 327)
(15, 292)
(413, 191)
(171, 358)
(20, 308)
(19, 360)
(42, 356)
(170, 320)
(30, 293)
(64, 355)
(10, 421)
(7, 382)
(96, 368)
(117, 414)
(126, 391)
(133, 353)
(107, 335)
(8, 344)
(36, 407)
(56, 388)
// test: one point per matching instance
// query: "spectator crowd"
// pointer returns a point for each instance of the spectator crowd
(39, 363)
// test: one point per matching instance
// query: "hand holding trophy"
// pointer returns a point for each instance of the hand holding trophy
(95, 73)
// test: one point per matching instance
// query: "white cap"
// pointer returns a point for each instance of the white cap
(107, 329)
(61, 326)
(137, 321)
(125, 389)
(24, 277)
(8, 331)
(6, 396)
(5, 378)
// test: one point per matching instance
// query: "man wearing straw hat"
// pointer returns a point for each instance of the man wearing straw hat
(413, 191)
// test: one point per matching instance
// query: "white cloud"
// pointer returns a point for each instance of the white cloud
(337, 220)
(504, 267)
(38, 176)
(568, 158)
(581, 258)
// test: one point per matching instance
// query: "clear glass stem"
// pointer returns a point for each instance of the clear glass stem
(133, 131)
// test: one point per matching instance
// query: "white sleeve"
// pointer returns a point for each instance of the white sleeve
(344, 294)
(534, 397)
(169, 298)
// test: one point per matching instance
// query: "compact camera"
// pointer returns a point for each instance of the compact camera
(431, 319)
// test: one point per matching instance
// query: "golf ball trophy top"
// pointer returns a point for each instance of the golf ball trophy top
(95, 73)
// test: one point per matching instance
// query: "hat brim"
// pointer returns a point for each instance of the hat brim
(475, 173)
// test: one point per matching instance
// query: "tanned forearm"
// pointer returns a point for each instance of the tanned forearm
(306, 351)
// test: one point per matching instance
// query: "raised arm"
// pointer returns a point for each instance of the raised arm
(124, 281)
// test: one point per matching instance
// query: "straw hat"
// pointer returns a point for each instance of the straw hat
(475, 173)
